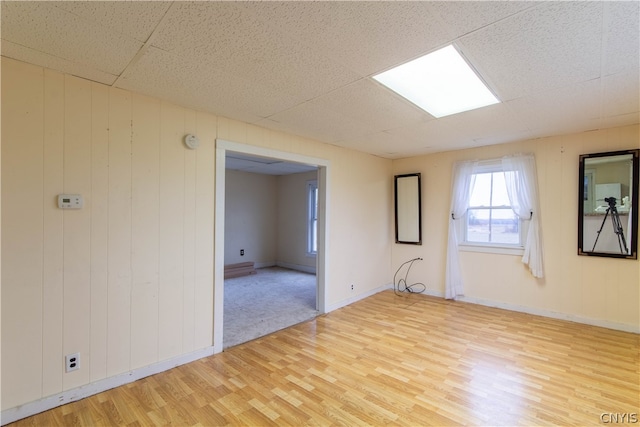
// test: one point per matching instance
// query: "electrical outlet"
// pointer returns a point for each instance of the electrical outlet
(241, 252)
(72, 362)
(352, 286)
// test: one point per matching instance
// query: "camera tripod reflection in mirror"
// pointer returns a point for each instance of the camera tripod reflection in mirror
(617, 225)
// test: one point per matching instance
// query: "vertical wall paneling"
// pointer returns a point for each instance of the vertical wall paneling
(22, 232)
(190, 156)
(204, 200)
(52, 311)
(119, 252)
(99, 230)
(145, 227)
(77, 226)
(172, 153)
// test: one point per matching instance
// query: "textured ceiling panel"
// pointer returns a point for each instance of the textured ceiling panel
(261, 165)
(45, 28)
(567, 108)
(305, 68)
(623, 91)
(242, 45)
(464, 17)
(366, 37)
(310, 119)
(542, 48)
(621, 43)
(432, 136)
(371, 105)
(196, 84)
(135, 19)
(25, 54)
(487, 125)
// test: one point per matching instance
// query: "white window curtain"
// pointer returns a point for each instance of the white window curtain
(522, 187)
(463, 183)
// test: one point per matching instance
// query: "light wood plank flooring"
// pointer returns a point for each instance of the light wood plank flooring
(402, 360)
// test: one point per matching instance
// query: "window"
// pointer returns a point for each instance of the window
(490, 218)
(312, 224)
(483, 196)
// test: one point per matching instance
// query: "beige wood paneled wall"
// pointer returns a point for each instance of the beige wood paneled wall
(127, 281)
(602, 291)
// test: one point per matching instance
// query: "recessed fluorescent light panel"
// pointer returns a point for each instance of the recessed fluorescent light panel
(441, 83)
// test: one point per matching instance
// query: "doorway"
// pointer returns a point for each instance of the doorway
(223, 148)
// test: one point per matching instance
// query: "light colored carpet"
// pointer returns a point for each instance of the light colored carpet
(272, 299)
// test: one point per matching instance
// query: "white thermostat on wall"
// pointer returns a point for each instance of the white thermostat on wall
(70, 201)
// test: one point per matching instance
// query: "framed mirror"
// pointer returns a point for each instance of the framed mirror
(408, 209)
(608, 204)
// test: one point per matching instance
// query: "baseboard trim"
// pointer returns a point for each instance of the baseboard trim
(358, 297)
(552, 314)
(297, 267)
(290, 266)
(541, 312)
(264, 264)
(28, 409)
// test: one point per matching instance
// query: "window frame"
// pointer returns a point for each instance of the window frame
(312, 218)
(491, 166)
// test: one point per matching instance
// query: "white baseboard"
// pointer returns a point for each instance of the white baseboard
(358, 297)
(297, 267)
(541, 312)
(553, 314)
(290, 266)
(264, 264)
(26, 410)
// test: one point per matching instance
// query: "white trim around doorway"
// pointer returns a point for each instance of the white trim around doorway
(222, 146)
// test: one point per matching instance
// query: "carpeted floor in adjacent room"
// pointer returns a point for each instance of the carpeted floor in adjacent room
(272, 299)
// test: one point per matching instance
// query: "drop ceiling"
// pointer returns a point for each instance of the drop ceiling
(305, 67)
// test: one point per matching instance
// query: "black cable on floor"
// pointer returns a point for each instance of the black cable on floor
(402, 286)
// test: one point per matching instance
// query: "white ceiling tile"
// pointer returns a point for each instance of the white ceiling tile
(194, 84)
(311, 119)
(560, 111)
(304, 67)
(545, 47)
(623, 94)
(434, 135)
(464, 17)
(25, 54)
(369, 104)
(135, 19)
(366, 37)
(621, 37)
(622, 120)
(261, 165)
(240, 44)
(43, 27)
(487, 124)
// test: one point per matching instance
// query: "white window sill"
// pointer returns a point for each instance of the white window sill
(491, 249)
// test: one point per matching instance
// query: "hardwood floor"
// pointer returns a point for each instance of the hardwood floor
(401, 360)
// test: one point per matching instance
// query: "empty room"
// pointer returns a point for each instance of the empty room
(465, 177)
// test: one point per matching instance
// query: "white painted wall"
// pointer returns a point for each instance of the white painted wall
(251, 218)
(595, 290)
(128, 280)
(266, 215)
(292, 221)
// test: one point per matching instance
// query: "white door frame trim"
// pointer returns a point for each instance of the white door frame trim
(222, 146)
